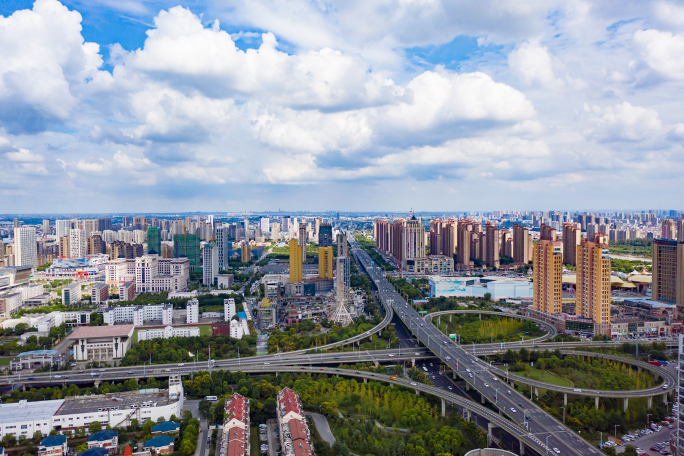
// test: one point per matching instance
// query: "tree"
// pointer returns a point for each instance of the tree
(82, 447)
(488, 296)
(37, 437)
(94, 427)
(339, 448)
(630, 451)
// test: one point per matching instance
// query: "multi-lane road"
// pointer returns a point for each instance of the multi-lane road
(550, 435)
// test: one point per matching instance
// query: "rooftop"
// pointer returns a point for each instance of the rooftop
(38, 352)
(85, 404)
(102, 436)
(160, 441)
(53, 440)
(93, 332)
(166, 426)
(29, 411)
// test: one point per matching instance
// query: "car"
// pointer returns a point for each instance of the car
(181, 364)
(496, 379)
(102, 370)
(149, 371)
(486, 385)
(58, 376)
(450, 388)
(556, 450)
(414, 384)
(665, 386)
(467, 370)
(302, 368)
(470, 375)
(577, 390)
(131, 373)
(416, 353)
(322, 369)
(508, 392)
(391, 355)
(513, 409)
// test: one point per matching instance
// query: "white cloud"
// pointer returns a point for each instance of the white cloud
(532, 63)
(24, 156)
(623, 122)
(662, 51)
(99, 167)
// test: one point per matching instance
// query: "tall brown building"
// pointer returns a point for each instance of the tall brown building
(381, 228)
(120, 249)
(95, 245)
(492, 246)
(547, 282)
(166, 251)
(593, 286)
(668, 229)
(64, 247)
(396, 239)
(413, 238)
(464, 233)
(547, 233)
(443, 237)
(571, 239)
(668, 272)
(506, 243)
(522, 245)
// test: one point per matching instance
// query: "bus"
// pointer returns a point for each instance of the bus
(211, 398)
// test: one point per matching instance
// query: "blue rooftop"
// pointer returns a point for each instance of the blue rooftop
(102, 435)
(95, 451)
(53, 440)
(161, 441)
(38, 352)
(242, 315)
(166, 426)
(653, 304)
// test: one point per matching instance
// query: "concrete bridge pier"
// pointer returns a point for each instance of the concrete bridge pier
(413, 362)
(649, 402)
(482, 398)
(626, 404)
(337, 375)
(453, 373)
(467, 386)
(97, 383)
(365, 380)
(450, 315)
(443, 407)
(565, 398)
(596, 402)
(665, 398)
(438, 320)
(512, 384)
(417, 393)
(376, 364)
(536, 392)
(522, 448)
(490, 428)
(639, 369)
(467, 415)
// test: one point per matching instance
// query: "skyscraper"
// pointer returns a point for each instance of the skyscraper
(246, 253)
(77, 243)
(547, 286)
(464, 232)
(125, 220)
(222, 246)
(547, 233)
(492, 245)
(25, 248)
(62, 228)
(64, 247)
(295, 262)
(46, 226)
(139, 222)
(95, 245)
(572, 236)
(16, 225)
(521, 244)
(413, 248)
(325, 262)
(265, 225)
(668, 229)
(325, 235)
(668, 272)
(104, 224)
(153, 240)
(210, 266)
(593, 285)
(302, 240)
(187, 245)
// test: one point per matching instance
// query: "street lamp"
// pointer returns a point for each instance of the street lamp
(563, 414)
(547, 444)
(601, 438)
(616, 426)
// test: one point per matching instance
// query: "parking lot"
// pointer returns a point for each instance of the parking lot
(647, 441)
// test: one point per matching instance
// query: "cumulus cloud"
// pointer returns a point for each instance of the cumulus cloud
(662, 51)
(623, 122)
(24, 156)
(532, 63)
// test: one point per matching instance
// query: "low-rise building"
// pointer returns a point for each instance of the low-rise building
(92, 343)
(236, 427)
(295, 438)
(99, 293)
(168, 332)
(104, 439)
(167, 427)
(192, 311)
(498, 287)
(34, 359)
(71, 294)
(162, 444)
(10, 303)
(54, 445)
(138, 314)
(25, 418)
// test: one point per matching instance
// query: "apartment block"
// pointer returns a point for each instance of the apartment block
(593, 285)
(547, 286)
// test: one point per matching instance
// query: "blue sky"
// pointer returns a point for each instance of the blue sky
(349, 105)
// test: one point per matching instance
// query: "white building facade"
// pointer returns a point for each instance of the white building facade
(25, 247)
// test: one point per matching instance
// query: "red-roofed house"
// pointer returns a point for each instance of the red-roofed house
(295, 439)
(236, 428)
(289, 406)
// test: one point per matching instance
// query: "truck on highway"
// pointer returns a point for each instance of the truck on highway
(655, 363)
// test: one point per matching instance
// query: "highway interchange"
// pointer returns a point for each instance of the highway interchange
(520, 417)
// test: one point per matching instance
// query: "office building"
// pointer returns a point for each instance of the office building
(265, 225)
(188, 246)
(295, 262)
(325, 262)
(16, 223)
(167, 332)
(192, 311)
(71, 294)
(77, 243)
(547, 264)
(95, 246)
(572, 236)
(62, 228)
(592, 298)
(413, 244)
(302, 240)
(668, 272)
(25, 248)
(99, 293)
(229, 309)
(522, 244)
(210, 266)
(325, 235)
(222, 235)
(153, 240)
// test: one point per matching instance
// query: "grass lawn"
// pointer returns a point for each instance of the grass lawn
(255, 445)
(5, 361)
(548, 377)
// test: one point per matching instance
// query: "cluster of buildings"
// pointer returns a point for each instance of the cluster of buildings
(24, 418)
(295, 437)
(236, 427)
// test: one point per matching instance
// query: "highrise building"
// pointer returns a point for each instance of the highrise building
(325, 235)
(668, 272)
(166, 251)
(317, 224)
(246, 253)
(187, 245)
(325, 262)
(295, 262)
(153, 240)
(302, 240)
(547, 282)
(572, 236)
(89, 227)
(593, 285)
(506, 244)
(381, 234)
(464, 233)
(46, 226)
(443, 237)
(25, 248)
(522, 244)
(139, 222)
(265, 225)
(222, 246)
(95, 245)
(547, 233)
(126, 220)
(492, 246)
(668, 229)
(62, 228)
(77, 243)
(210, 266)
(64, 247)
(413, 244)
(104, 224)
(16, 225)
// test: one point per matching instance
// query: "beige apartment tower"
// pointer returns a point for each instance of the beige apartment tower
(522, 244)
(325, 262)
(295, 262)
(593, 285)
(572, 236)
(668, 272)
(492, 246)
(547, 282)
(668, 229)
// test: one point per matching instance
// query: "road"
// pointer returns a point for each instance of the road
(323, 427)
(548, 433)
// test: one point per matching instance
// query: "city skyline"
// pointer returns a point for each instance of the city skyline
(259, 105)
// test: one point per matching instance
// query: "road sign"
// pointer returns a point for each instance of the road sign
(452, 336)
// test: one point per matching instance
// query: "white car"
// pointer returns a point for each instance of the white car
(391, 355)
(556, 450)
(513, 409)
(414, 384)
(181, 364)
(486, 385)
